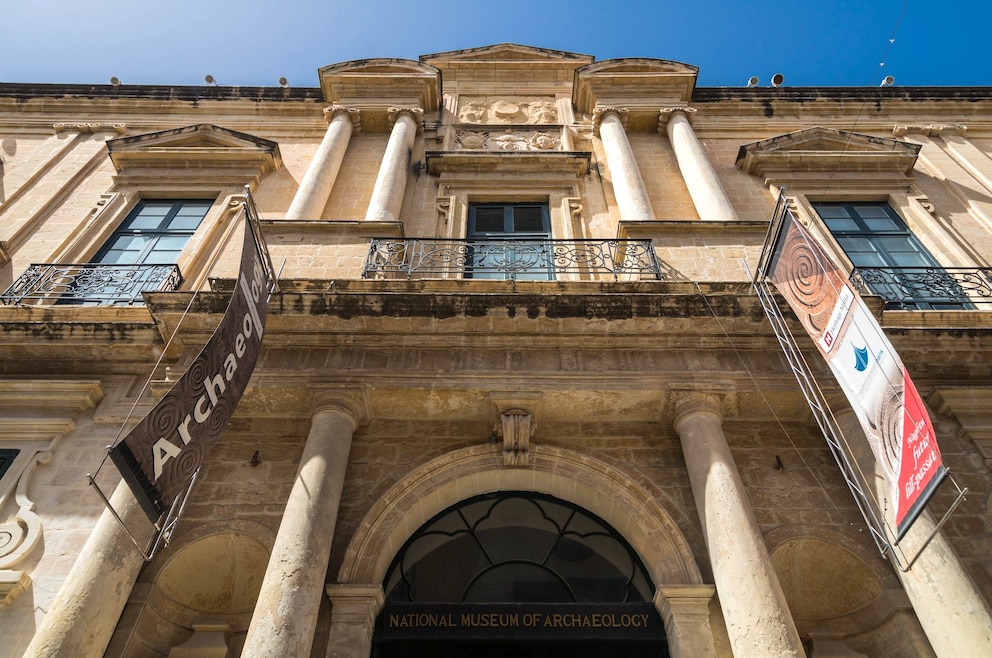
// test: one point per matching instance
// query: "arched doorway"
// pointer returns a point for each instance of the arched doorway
(522, 575)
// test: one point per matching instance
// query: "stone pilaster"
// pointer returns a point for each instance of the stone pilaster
(390, 184)
(757, 616)
(285, 615)
(686, 611)
(708, 195)
(315, 188)
(628, 186)
(353, 612)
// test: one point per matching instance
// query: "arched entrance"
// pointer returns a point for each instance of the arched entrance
(518, 574)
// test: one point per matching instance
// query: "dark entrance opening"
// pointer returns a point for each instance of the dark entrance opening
(518, 574)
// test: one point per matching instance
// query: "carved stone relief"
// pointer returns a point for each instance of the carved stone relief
(519, 111)
(507, 140)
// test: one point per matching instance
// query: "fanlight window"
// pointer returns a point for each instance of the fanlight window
(516, 547)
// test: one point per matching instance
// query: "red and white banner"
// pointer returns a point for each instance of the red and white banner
(866, 366)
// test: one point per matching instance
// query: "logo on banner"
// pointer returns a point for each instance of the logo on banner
(860, 358)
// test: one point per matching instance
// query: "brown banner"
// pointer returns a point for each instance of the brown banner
(160, 455)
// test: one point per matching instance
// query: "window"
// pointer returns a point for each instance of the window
(155, 232)
(140, 255)
(509, 241)
(6, 459)
(889, 258)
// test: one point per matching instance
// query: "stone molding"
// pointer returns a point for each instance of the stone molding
(348, 400)
(37, 439)
(666, 113)
(90, 128)
(601, 111)
(972, 408)
(685, 611)
(929, 129)
(508, 139)
(354, 604)
(394, 113)
(458, 475)
(353, 113)
(686, 404)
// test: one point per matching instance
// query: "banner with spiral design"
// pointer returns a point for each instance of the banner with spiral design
(872, 376)
(160, 455)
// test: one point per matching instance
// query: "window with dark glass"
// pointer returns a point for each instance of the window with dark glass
(141, 254)
(509, 241)
(155, 232)
(886, 255)
(6, 459)
(517, 547)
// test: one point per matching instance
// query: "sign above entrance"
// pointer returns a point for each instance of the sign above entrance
(572, 621)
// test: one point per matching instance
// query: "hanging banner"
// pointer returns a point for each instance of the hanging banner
(865, 364)
(160, 455)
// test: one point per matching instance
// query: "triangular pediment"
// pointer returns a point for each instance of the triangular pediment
(506, 52)
(202, 147)
(827, 149)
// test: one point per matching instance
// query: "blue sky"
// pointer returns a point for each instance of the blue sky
(254, 42)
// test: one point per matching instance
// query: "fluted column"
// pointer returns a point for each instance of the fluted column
(285, 615)
(704, 186)
(954, 615)
(390, 184)
(628, 186)
(757, 616)
(353, 612)
(686, 611)
(83, 616)
(315, 189)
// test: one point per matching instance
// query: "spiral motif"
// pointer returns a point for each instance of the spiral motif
(890, 414)
(167, 415)
(804, 273)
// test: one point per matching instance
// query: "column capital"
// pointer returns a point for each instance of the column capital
(394, 113)
(351, 401)
(352, 113)
(356, 604)
(686, 404)
(602, 110)
(666, 113)
(685, 610)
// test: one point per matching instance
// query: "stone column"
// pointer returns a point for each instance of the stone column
(758, 619)
(686, 611)
(704, 186)
(954, 615)
(285, 615)
(315, 189)
(83, 616)
(628, 186)
(390, 184)
(353, 612)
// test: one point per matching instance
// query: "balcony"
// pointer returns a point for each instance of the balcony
(90, 283)
(513, 259)
(940, 288)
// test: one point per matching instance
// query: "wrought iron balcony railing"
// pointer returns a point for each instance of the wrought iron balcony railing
(927, 287)
(524, 258)
(90, 283)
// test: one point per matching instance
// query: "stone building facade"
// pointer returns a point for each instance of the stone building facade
(516, 395)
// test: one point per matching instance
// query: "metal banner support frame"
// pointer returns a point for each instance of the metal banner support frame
(166, 524)
(827, 422)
